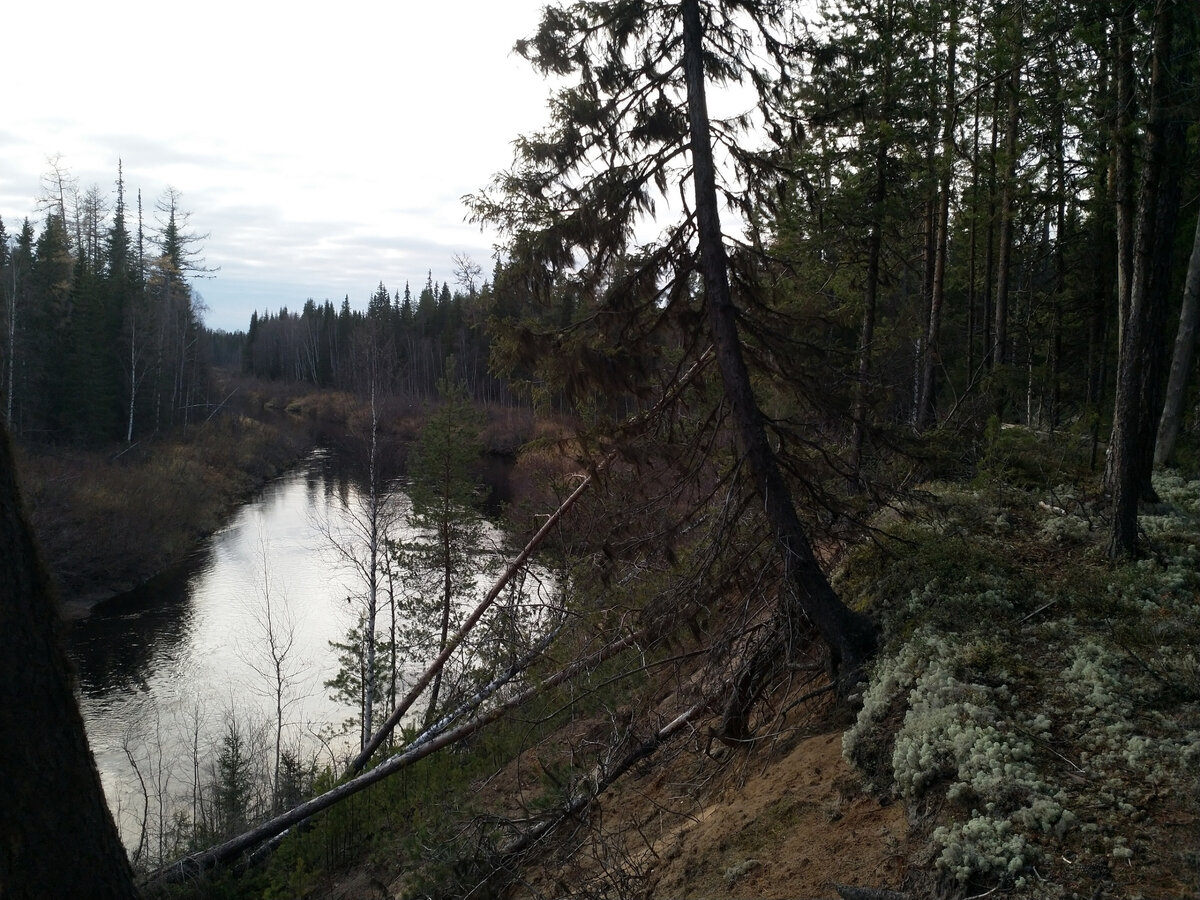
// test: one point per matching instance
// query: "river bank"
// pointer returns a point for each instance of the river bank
(108, 523)
(110, 519)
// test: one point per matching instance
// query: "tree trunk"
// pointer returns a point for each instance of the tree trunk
(57, 837)
(373, 562)
(867, 335)
(989, 264)
(1123, 176)
(12, 344)
(1054, 349)
(1181, 360)
(1103, 238)
(849, 635)
(926, 406)
(973, 247)
(1007, 214)
(1139, 368)
(871, 292)
(447, 597)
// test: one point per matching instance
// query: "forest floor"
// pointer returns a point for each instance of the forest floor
(1031, 729)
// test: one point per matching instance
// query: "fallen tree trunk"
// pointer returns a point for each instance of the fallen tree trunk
(428, 743)
(460, 635)
(513, 568)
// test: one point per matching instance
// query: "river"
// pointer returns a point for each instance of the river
(164, 669)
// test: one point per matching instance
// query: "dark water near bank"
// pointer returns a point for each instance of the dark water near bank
(163, 669)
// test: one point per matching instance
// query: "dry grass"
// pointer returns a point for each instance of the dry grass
(108, 521)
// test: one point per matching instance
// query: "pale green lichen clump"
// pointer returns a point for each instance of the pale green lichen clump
(1068, 752)
(1125, 763)
(973, 737)
(893, 675)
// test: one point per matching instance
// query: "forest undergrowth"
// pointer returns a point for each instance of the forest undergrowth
(1029, 729)
(1036, 707)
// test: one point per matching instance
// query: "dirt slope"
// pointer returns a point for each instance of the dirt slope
(788, 828)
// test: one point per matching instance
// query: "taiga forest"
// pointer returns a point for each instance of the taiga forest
(840, 361)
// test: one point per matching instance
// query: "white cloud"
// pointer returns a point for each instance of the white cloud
(322, 148)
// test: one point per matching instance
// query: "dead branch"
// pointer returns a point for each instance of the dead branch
(424, 745)
(457, 638)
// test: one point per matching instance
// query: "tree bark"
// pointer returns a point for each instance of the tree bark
(866, 339)
(375, 540)
(849, 635)
(1007, 201)
(989, 259)
(57, 837)
(1123, 166)
(1139, 368)
(1181, 359)
(926, 406)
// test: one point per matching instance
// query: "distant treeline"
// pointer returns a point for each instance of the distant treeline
(102, 340)
(401, 342)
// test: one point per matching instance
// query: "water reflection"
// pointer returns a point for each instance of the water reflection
(117, 648)
(164, 669)
(161, 669)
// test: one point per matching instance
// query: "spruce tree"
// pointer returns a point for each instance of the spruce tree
(440, 566)
(620, 139)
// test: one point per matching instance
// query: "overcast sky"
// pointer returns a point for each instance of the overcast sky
(323, 148)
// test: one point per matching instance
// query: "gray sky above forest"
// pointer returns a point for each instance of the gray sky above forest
(323, 149)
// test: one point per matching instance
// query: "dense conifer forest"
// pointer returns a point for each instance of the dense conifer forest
(942, 213)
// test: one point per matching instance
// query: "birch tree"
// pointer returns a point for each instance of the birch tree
(370, 524)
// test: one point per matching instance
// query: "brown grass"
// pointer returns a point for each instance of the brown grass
(108, 521)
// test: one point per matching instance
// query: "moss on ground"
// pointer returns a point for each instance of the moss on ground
(1035, 706)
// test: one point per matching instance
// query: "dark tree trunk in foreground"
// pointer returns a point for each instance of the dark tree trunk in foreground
(1141, 365)
(850, 636)
(57, 838)
(1181, 359)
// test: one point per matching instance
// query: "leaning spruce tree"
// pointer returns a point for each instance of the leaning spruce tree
(632, 130)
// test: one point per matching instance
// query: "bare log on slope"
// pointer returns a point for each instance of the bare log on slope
(460, 635)
(426, 744)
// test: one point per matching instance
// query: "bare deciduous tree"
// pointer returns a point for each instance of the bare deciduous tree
(272, 656)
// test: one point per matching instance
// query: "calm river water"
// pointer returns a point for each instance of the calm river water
(163, 668)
